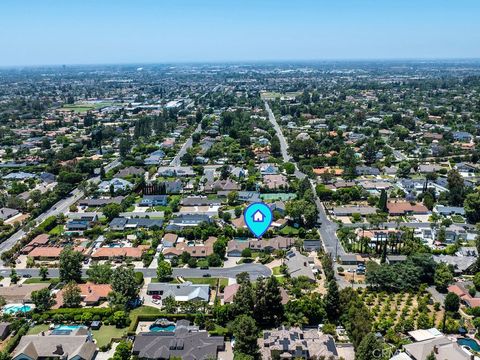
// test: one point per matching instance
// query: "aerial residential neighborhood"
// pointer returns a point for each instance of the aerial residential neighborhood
(163, 196)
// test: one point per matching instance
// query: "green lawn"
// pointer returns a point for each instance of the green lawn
(34, 280)
(57, 230)
(289, 230)
(106, 333)
(276, 270)
(143, 310)
(207, 280)
(37, 329)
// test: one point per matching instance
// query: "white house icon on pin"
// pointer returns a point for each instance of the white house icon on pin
(258, 216)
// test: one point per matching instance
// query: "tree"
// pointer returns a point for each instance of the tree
(124, 285)
(214, 260)
(123, 351)
(369, 348)
(268, 310)
(476, 280)
(71, 295)
(404, 168)
(100, 273)
(124, 147)
(111, 211)
(244, 300)
(443, 277)
(70, 265)
(247, 253)
(246, 333)
(382, 202)
(14, 278)
(451, 302)
(289, 168)
(120, 318)
(169, 304)
(456, 188)
(472, 207)
(42, 299)
(332, 301)
(43, 273)
(164, 270)
(232, 197)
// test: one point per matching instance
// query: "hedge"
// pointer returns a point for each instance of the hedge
(13, 342)
(70, 313)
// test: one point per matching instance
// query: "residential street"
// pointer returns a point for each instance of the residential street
(328, 228)
(254, 270)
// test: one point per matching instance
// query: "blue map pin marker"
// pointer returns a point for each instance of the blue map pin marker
(258, 218)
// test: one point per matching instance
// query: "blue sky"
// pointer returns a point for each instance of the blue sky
(38, 32)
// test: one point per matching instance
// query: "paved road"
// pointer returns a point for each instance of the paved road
(283, 142)
(177, 160)
(328, 229)
(60, 207)
(413, 225)
(254, 270)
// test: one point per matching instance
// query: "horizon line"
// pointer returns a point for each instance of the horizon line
(252, 61)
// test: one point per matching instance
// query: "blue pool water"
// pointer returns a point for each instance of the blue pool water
(13, 309)
(158, 328)
(472, 344)
(68, 327)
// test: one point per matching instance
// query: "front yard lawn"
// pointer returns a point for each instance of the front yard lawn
(35, 280)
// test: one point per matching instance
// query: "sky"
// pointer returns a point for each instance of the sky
(50, 32)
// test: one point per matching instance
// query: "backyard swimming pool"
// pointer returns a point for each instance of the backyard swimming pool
(162, 325)
(472, 344)
(14, 308)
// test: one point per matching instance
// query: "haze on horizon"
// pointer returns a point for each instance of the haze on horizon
(54, 32)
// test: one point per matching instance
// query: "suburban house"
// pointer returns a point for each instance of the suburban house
(299, 265)
(268, 169)
(184, 343)
(92, 294)
(75, 345)
(117, 184)
(405, 208)
(180, 292)
(169, 240)
(295, 343)
(460, 264)
(221, 185)
(120, 223)
(100, 202)
(50, 253)
(432, 340)
(154, 200)
(354, 209)
(196, 251)
(130, 171)
(115, 253)
(235, 247)
(200, 201)
(7, 213)
(278, 181)
(154, 158)
(186, 220)
(449, 210)
(19, 176)
(20, 293)
(468, 300)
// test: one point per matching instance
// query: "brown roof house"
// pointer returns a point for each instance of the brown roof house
(278, 181)
(92, 294)
(405, 208)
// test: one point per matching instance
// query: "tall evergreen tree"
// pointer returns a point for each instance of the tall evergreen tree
(332, 301)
